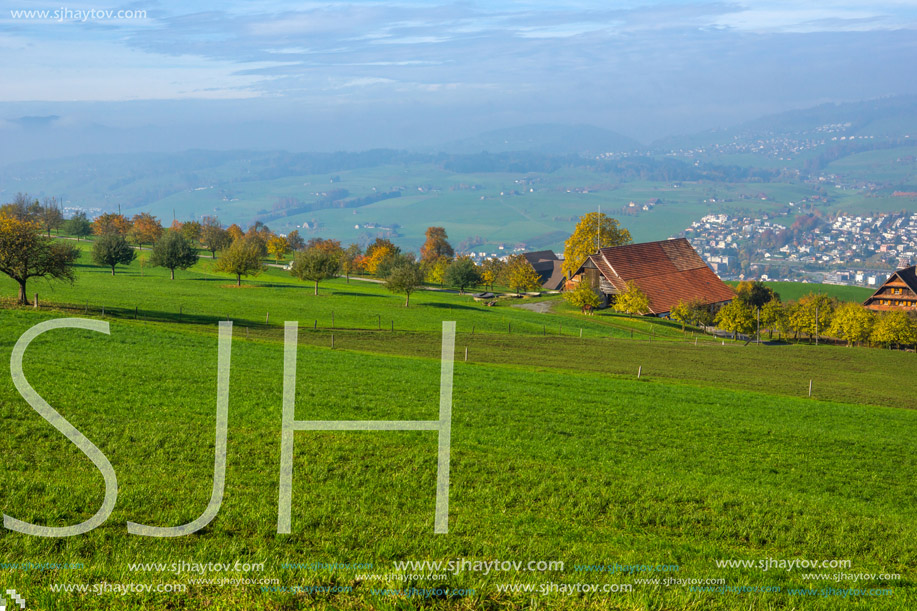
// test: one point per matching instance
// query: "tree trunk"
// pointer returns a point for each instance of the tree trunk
(316, 287)
(173, 273)
(238, 279)
(23, 296)
(407, 301)
(112, 270)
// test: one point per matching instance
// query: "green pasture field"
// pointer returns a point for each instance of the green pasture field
(201, 295)
(564, 460)
(791, 291)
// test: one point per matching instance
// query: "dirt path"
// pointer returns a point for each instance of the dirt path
(542, 307)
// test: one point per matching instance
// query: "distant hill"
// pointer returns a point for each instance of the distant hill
(892, 117)
(551, 139)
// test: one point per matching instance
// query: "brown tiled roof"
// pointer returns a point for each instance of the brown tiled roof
(666, 290)
(668, 271)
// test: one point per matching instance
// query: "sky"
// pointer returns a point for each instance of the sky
(151, 75)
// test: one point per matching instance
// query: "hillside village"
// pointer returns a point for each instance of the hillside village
(857, 250)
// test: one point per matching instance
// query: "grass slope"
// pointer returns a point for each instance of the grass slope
(554, 463)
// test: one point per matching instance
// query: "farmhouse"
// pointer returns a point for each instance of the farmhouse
(899, 292)
(548, 268)
(667, 272)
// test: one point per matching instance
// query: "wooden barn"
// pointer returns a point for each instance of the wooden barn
(899, 292)
(668, 271)
(548, 268)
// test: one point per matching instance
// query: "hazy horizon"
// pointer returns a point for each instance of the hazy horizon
(409, 75)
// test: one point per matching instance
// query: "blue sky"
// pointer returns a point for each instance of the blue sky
(409, 73)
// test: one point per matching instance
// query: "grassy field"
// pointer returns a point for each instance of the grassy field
(791, 291)
(559, 453)
(201, 295)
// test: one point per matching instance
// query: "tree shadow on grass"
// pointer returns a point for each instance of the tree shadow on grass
(451, 306)
(349, 294)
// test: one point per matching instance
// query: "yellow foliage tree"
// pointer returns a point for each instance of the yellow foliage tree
(632, 301)
(594, 230)
(278, 246)
(379, 254)
(520, 275)
(235, 232)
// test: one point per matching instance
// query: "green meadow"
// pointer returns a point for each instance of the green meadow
(558, 453)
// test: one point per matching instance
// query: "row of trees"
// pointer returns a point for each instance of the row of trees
(403, 272)
(756, 307)
(816, 315)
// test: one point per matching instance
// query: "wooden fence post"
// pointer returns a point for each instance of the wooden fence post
(639, 371)
(466, 353)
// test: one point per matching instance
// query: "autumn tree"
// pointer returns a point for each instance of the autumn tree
(436, 245)
(593, 231)
(173, 251)
(435, 269)
(632, 300)
(811, 314)
(491, 270)
(242, 258)
(50, 216)
(78, 225)
(774, 317)
(351, 260)
(277, 246)
(112, 249)
(520, 275)
(235, 232)
(693, 312)
(145, 229)
(22, 208)
(736, 317)
(326, 245)
(192, 230)
(582, 297)
(315, 264)
(381, 243)
(25, 253)
(894, 328)
(213, 236)
(295, 241)
(111, 223)
(852, 322)
(375, 260)
(405, 277)
(462, 273)
(260, 229)
(755, 293)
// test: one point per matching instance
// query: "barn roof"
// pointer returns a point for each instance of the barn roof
(668, 271)
(548, 267)
(908, 275)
